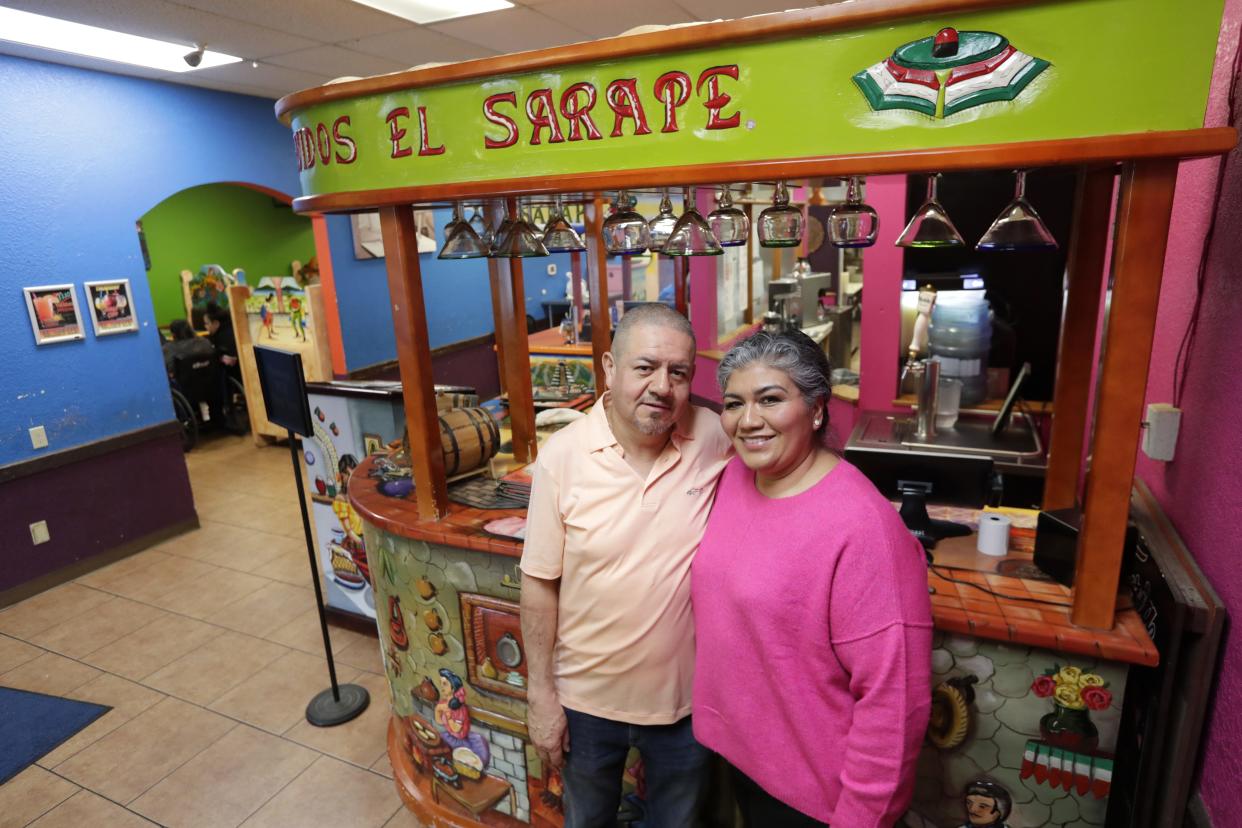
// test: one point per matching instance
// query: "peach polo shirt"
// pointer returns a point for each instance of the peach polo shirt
(622, 548)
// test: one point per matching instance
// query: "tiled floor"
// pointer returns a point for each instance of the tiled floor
(207, 648)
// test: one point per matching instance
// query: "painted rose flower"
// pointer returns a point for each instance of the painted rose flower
(1069, 675)
(1090, 680)
(1096, 698)
(1044, 686)
(1068, 696)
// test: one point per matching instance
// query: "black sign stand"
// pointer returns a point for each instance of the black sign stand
(284, 397)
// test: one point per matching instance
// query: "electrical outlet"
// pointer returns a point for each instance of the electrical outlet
(39, 533)
(551, 270)
(1160, 431)
(38, 437)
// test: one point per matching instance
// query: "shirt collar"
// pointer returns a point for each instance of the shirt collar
(600, 434)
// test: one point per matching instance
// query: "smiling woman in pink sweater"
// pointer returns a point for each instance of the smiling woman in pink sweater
(813, 624)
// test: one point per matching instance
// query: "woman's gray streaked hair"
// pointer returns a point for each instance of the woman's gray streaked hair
(791, 352)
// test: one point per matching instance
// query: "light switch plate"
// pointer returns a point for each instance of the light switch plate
(39, 533)
(38, 437)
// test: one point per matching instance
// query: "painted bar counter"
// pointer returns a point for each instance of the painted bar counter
(1021, 695)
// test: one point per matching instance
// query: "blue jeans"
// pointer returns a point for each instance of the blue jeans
(676, 770)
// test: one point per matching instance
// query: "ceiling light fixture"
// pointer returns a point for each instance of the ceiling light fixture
(431, 11)
(105, 44)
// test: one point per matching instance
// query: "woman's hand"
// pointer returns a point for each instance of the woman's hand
(549, 730)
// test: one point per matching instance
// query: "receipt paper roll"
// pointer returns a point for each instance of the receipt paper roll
(993, 534)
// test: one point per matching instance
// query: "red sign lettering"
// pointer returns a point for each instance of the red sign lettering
(500, 120)
(397, 133)
(673, 88)
(424, 138)
(541, 112)
(344, 141)
(323, 142)
(579, 114)
(717, 100)
(622, 98)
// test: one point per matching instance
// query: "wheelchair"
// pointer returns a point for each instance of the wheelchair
(198, 383)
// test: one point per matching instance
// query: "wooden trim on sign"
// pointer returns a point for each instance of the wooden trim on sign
(1189, 143)
(409, 322)
(1085, 275)
(758, 28)
(1143, 210)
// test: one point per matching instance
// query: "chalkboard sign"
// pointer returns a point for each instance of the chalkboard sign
(284, 389)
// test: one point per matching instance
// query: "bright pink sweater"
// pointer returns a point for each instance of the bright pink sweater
(813, 637)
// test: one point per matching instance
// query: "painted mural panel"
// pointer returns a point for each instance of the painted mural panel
(1019, 737)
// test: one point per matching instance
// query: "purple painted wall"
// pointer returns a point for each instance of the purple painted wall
(1201, 490)
(93, 506)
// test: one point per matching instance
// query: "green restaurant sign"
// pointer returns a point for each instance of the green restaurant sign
(1047, 71)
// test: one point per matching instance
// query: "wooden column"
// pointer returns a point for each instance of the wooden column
(494, 274)
(601, 323)
(577, 261)
(627, 278)
(1143, 210)
(751, 240)
(409, 322)
(1084, 275)
(681, 280)
(511, 294)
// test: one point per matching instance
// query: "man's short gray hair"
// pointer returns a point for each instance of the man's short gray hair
(650, 313)
(793, 353)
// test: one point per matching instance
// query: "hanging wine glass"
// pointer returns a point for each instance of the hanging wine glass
(781, 224)
(625, 231)
(460, 239)
(519, 240)
(559, 236)
(853, 224)
(692, 235)
(730, 224)
(930, 227)
(661, 227)
(478, 222)
(1018, 227)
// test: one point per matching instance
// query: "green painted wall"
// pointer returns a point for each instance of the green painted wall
(224, 224)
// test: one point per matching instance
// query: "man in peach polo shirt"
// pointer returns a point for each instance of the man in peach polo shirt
(619, 503)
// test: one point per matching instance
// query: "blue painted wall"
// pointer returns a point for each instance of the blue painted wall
(457, 295)
(85, 154)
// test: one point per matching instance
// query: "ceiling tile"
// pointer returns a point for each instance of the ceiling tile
(327, 21)
(609, 19)
(728, 9)
(410, 47)
(336, 62)
(264, 76)
(169, 21)
(511, 30)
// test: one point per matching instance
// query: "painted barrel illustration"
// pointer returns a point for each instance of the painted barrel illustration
(470, 437)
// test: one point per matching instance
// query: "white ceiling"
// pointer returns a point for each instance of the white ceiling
(298, 44)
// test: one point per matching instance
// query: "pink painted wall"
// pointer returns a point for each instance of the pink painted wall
(1201, 489)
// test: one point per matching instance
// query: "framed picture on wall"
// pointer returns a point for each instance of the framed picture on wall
(111, 306)
(372, 444)
(54, 315)
(369, 241)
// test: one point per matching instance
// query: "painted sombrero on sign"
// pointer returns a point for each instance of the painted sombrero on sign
(949, 72)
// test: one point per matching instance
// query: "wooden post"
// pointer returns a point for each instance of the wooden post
(494, 274)
(681, 273)
(627, 278)
(576, 260)
(749, 316)
(601, 322)
(512, 295)
(1084, 274)
(1143, 210)
(409, 322)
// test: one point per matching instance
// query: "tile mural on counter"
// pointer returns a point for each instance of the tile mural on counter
(1019, 737)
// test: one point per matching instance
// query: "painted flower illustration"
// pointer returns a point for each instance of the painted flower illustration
(1096, 698)
(1044, 686)
(1069, 675)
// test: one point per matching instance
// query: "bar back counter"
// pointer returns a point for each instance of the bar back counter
(1031, 677)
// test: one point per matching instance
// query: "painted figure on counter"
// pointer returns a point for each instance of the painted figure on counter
(297, 318)
(267, 318)
(345, 467)
(621, 497)
(854, 658)
(988, 804)
(453, 717)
